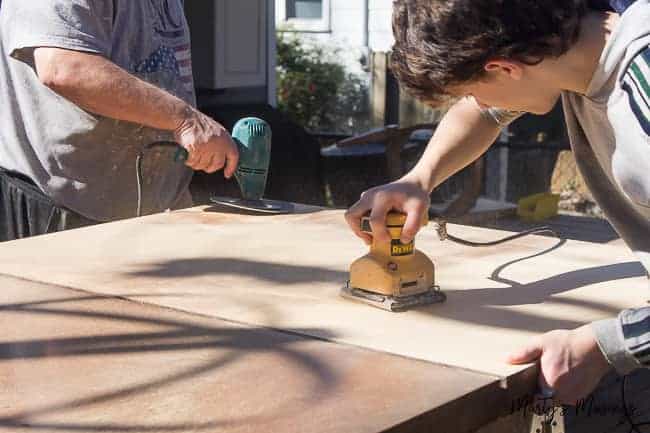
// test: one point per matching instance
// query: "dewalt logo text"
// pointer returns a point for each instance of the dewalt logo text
(399, 249)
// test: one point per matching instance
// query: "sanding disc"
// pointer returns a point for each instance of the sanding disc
(262, 206)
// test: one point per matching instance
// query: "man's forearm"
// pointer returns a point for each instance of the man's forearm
(99, 86)
(462, 136)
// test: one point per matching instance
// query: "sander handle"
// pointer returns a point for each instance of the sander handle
(394, 219)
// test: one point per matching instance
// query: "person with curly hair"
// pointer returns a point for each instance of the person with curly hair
(493, 60)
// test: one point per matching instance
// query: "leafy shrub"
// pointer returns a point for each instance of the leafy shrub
(316, 91)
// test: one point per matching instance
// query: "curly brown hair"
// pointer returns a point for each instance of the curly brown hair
(440, 43)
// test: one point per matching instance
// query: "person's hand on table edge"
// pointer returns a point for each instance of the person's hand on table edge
(571, 364)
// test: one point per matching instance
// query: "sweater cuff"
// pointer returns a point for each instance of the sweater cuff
(610, 339)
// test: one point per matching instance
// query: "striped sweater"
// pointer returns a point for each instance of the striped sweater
(636, 83)
(609, 129)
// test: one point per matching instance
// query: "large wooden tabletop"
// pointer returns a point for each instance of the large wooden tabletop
(203, 321)
(73, 361)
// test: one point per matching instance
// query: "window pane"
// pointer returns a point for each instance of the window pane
(305, 9)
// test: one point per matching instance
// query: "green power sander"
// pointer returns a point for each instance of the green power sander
(253, 139)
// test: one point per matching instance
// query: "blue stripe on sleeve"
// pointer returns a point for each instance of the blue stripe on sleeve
(621, 6)
(646, 55)
(636, 109)
(636, 332)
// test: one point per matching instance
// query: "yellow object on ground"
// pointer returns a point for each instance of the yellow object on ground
(538, 207)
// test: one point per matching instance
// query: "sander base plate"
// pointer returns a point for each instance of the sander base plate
(392, 303)
(256, 206)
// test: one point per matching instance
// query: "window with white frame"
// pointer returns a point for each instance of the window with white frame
(303, 15)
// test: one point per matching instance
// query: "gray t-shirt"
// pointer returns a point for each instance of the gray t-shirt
(83, 161)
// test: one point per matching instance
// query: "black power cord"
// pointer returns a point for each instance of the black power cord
(534, 231)
(441, 227)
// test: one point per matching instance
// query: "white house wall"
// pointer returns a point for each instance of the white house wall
(233, 48)
(347, 31)
(380, 25)
(347, 22)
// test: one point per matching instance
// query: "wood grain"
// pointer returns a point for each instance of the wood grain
(285, 272)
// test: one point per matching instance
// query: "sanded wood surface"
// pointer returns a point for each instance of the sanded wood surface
(285, 272)
(77, 362)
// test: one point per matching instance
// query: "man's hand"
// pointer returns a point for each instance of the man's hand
(209, 144)
(571, 363)
(406, 195)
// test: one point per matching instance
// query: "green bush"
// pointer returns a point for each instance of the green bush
(316, 92)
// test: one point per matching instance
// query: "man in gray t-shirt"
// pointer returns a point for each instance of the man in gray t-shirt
(85, 85)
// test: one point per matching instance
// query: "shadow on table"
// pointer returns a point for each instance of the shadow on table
(575, 227)
(485, 306)
(174, 335)
(482, 306)
(273, 272)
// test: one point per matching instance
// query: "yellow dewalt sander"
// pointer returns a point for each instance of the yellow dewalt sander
(393, 276)
(397, 277)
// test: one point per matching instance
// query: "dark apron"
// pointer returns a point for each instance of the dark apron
(26, 211)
